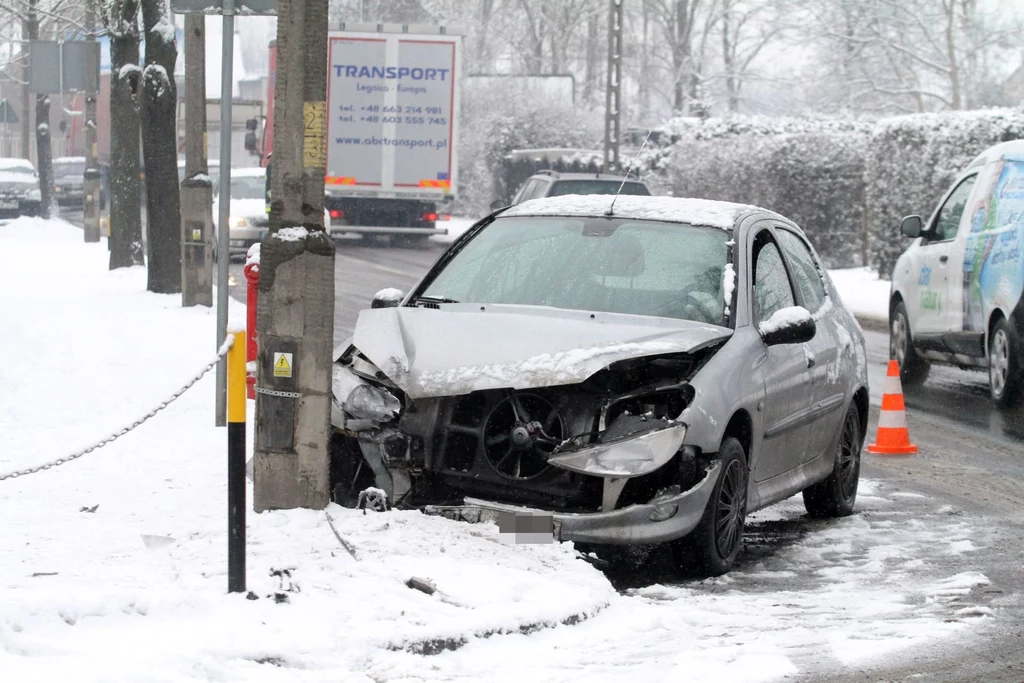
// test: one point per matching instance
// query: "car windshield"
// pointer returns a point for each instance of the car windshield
(249, 187)
(563, 187)
(64, 169)
(593, 264)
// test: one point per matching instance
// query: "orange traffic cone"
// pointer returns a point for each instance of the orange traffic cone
(893, 436)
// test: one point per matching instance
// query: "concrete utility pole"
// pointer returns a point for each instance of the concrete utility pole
(613, 93)
(91, 207)
(295, 321)
(196, 188)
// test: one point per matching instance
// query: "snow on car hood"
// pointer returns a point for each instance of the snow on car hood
(461, 349)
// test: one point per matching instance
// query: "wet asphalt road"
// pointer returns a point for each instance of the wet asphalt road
(971, 463)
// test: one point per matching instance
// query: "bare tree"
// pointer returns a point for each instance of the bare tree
(159, 135)
(122, 22)
(746, 27)
(680, 21)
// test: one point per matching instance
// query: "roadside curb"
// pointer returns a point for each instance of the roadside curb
(873, 323)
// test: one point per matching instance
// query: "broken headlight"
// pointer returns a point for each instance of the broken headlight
(629, 457)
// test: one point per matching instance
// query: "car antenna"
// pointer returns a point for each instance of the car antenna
(611, 209)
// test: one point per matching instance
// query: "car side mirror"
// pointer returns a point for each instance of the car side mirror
(387, 298)
(792, 325)
(498, 204)
(911, 226)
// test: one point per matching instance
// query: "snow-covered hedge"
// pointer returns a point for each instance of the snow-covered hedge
(846, 182)
(911, 162)
(810, 171)
(494, 124)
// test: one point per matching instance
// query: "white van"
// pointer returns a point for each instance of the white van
(956, 292)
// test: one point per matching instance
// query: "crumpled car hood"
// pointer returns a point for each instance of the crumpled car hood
(461, 349)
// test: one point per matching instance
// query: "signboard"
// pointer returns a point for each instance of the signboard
(391, 112)
(242, 7)
(44, 66)
(7, 114)
(71, 66)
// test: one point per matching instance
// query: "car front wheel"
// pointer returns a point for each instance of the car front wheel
(913, 368)
(835, 496)
(715, 543)
(1005, 382)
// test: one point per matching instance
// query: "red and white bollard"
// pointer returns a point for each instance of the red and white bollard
(252, 278)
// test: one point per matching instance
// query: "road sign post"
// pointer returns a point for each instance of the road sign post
(227, 8)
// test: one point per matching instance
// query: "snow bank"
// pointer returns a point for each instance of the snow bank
(115, 564)
(863, 293)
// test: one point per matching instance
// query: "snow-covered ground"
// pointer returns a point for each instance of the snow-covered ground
(114, 566)
(862, 292)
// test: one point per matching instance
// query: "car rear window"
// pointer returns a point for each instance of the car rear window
(563, 187)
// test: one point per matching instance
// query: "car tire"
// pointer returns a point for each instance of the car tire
(1004, 369)
(913, 369)
(712, 547)
(835, 496)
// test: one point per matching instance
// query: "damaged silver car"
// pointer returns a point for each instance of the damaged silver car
(644, 372)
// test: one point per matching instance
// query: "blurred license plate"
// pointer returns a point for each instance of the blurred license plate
(526, 527)
(8, 205)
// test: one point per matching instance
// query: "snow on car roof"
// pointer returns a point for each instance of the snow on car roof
(11, 163)
(669, 209)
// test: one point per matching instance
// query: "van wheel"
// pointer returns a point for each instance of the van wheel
(713, 546)
(835, 496)
(913, 368)
(1004, 380)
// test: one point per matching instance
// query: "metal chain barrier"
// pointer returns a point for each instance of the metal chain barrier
(225, 347)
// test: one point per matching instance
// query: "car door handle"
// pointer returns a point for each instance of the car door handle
(810, 362)
(943, 258)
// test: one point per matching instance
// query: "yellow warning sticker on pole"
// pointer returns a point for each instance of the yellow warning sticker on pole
(314, 135)
(282, 364)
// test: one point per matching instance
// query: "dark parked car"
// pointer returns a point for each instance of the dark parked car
(69, 180)
(19, 188)
(555, 184)
(640, 374)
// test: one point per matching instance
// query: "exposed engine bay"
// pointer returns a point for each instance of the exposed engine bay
(602, 444)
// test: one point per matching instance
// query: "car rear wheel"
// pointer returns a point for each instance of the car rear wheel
(835, 496)
(913, 368)
(1005, 382)
(713, 546)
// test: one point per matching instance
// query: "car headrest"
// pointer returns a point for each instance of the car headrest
(621, 256)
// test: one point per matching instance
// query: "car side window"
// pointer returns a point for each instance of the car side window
(806, 273)
(947, 222)
(524, 192)
(772, 289)
(540, 190)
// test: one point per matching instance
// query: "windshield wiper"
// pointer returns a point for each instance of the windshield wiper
(435, 300)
